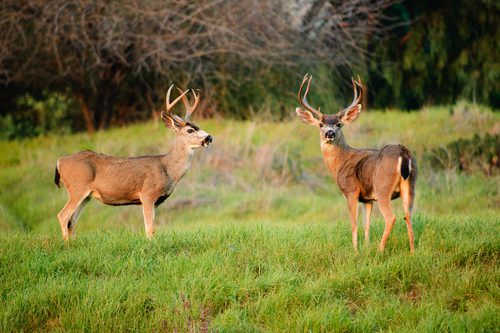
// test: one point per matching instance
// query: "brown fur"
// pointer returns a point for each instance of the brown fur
(363, 175)
(366, 175)
(116, 181)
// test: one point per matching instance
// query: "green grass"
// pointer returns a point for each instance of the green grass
(255, 238)
(255, 277)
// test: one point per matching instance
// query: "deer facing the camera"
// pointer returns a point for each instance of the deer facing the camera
(363, 175)
(143, 180)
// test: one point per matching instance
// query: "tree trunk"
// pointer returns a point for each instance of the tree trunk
(88, 116)
(364, 98)
(105, 108)
(104, 105)
(311, 14)
(100, 109)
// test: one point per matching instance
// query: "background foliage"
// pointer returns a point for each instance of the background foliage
(448, 51)
(110, 63)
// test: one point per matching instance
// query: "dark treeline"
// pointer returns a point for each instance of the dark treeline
(449, 51)
(84, 65)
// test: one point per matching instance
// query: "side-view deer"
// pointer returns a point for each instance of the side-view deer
(363, 175)
(143, 180)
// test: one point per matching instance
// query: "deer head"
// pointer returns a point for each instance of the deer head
(329, 124)
(187, 133)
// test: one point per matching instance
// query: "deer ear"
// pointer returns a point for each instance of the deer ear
(307, 117)
(171, 122)
(351, 115)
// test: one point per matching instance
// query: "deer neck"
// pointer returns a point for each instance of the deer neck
(178, 160)
(335, 153)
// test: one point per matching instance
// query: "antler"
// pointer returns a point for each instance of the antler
(169, 105)
(356, 98)
(303, 99)
(190, 108)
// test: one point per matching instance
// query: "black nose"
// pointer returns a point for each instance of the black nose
(330, 134)
(208, 139)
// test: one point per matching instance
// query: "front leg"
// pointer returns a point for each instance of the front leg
(368, 211)
(352, 203)
(148, 210)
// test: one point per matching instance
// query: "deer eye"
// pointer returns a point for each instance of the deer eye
(339, 125)
(190, 130)
(321, 124)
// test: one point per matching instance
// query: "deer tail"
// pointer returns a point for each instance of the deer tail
(405, 160)
(57, 177)
(405, 167)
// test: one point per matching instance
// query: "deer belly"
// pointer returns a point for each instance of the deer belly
(367, 194)
(116, 200)
(396, 192)
(367, 197)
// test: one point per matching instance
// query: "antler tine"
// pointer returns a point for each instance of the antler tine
(360, 85)
(303, 98)
(190, 108)
(357, 98)
(196, 98)
(195, 104)
(354, 83)
(168, 105)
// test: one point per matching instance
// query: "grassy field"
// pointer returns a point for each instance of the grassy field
(255, 238)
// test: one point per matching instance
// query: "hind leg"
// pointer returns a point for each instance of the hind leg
(66, 214)
(74, 218)
(384, 185)
(407, 206)
(390, 219)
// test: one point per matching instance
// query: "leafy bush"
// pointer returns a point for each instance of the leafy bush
(475, 154)
(52, 112)
(441, 51)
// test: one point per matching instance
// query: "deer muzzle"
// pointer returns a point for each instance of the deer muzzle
(330, 134)
(207, 141)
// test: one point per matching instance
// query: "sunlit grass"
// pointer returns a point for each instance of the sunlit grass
(255, 237)
(252, 277)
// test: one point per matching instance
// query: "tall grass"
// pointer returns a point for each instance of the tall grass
(255, 237)
(254, 277)
(272, 170)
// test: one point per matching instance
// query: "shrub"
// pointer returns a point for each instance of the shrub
(52, 112)
(469, 155)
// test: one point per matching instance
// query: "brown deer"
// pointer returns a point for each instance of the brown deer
(143, 180)
(364, 175)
